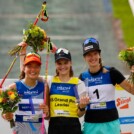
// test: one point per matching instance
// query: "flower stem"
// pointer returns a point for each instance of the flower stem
(131, 78)
(12, 123)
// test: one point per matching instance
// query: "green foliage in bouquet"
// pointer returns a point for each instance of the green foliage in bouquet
(127, 56)
(35, 37)
(8, 100)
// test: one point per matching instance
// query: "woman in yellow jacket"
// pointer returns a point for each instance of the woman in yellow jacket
(65, 91)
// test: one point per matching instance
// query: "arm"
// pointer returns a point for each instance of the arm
(12, 86)
(43, 106)
(82, 105)
(127, 86)
(118, 78)
(22, 54)
(84, 98)
(47, 102)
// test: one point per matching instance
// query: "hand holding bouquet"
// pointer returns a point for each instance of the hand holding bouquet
(35, 37)
(8, 100)
(127, 56)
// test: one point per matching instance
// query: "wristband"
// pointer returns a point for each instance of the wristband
(81, 109)
(22, 54)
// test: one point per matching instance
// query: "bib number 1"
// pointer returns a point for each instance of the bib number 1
(97, 93)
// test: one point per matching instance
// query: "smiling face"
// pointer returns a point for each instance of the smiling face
(63, 66)
(32, 70)
(93, 59)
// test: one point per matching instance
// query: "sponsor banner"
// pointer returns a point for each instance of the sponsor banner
(125, 106)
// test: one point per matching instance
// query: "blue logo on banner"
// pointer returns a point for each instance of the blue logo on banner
(127, 120)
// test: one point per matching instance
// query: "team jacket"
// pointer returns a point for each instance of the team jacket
(28, 108)
(63, 98)
(101, 91)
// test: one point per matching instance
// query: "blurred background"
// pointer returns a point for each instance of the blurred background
(70, 23)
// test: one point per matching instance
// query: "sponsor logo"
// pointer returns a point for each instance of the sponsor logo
(63, 89)
(30, 92)
(98, 79)
(88, 47)
(123, 102)
(126, 120)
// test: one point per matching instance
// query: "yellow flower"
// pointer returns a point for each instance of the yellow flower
(12, 96)
(1, 99)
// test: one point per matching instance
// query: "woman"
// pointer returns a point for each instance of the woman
(65, 90)
(28, 117)
(101, 115)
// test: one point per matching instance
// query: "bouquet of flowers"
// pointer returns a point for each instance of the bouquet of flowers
(127, 56)
(35, 37)
(8, 100)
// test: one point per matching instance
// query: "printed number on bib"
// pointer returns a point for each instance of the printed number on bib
(97, 93)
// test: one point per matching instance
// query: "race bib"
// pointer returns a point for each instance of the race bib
(100, 105)
(31, 118)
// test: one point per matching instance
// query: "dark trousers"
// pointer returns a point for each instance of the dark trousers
(64, 125)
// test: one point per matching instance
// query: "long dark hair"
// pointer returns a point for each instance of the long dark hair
(100, 61)
(22, 75)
